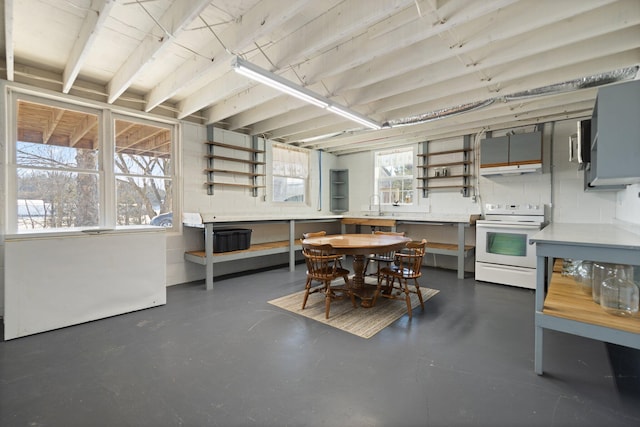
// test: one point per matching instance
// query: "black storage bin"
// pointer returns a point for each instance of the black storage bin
(231, 239)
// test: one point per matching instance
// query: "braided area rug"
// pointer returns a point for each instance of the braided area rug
(363, 322)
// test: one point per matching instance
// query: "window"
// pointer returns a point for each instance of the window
(394, 176)
(290, 172)
(57, 167)
(143, 169)
(67, 176)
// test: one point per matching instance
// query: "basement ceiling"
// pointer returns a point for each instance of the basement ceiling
(432, 69)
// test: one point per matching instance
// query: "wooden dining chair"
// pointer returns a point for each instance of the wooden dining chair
(407, 266)
(323, 266)
(321, 233)
(384, 258)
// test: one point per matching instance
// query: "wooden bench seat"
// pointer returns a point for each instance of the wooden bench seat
(447, 248)
(258, 249)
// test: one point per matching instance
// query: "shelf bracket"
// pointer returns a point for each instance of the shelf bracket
(466, 180)
(425, 151)
(210, 160)
(254, 167)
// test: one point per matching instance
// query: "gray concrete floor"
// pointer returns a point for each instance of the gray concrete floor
(228, 358)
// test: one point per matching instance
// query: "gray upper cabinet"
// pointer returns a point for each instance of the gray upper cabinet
(615, 132)
(511, 154)
(525, 148)
(339, 191)
(494, 151)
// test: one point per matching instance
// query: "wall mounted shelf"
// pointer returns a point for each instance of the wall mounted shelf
(455, 173)
(252, 161)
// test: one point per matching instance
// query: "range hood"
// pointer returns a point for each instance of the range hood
(511, 169)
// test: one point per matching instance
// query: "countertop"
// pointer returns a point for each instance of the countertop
(201, 218)
(609, 235)
(427, 217)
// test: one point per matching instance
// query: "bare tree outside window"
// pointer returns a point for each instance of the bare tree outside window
(57, 173)
(143, 171)
(58, 152)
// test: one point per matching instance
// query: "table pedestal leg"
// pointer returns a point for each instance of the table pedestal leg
(365, 293)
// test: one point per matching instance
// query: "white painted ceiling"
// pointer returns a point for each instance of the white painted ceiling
(395, 61)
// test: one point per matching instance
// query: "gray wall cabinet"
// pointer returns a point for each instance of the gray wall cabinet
(522, 148)
(494, 151)
(509, 154)
(615, 133)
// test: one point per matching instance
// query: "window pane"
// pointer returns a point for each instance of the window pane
(50, 156)
(394, 176)
(288, 189)
(142, 199)
(290, 169)
(57, 157)
(56, 199)
(56, 137)
(142, 149)
(143, 169)
(290, 162)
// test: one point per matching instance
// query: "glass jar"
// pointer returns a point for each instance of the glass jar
(582, 276)
(619, 295)
(568, 266)
(601, 271)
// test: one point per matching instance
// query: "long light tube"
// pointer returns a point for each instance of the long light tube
(352, 115)
(275, 81)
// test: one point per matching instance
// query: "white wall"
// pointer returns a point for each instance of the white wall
(628, 204)
(230, 201)
(559, 187)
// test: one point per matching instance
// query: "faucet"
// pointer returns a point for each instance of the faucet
(372, 200)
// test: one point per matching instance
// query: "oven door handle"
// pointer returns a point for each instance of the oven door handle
(524, 225)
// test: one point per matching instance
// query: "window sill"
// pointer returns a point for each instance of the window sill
(78, 232)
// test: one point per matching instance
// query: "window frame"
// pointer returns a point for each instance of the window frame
(305, 179)
(170, 177)
(107, 114)
(376, 177)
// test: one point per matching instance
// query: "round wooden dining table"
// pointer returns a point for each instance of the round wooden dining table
(359, 246)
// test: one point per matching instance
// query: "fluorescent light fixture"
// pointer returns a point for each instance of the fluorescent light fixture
(352, 115)
(275, 81)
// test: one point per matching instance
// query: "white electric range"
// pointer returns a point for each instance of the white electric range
(503, 252)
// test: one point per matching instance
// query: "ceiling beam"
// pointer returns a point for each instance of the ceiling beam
(261, 20)
(91, 28)
(414, 87)
(376, 41)
(342, 20)
(448, 88)
(512, 113)
(174, 21)
(373, 54)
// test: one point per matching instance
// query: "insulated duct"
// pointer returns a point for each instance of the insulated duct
(595, 80)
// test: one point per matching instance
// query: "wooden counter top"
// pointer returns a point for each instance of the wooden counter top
(374, 221)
